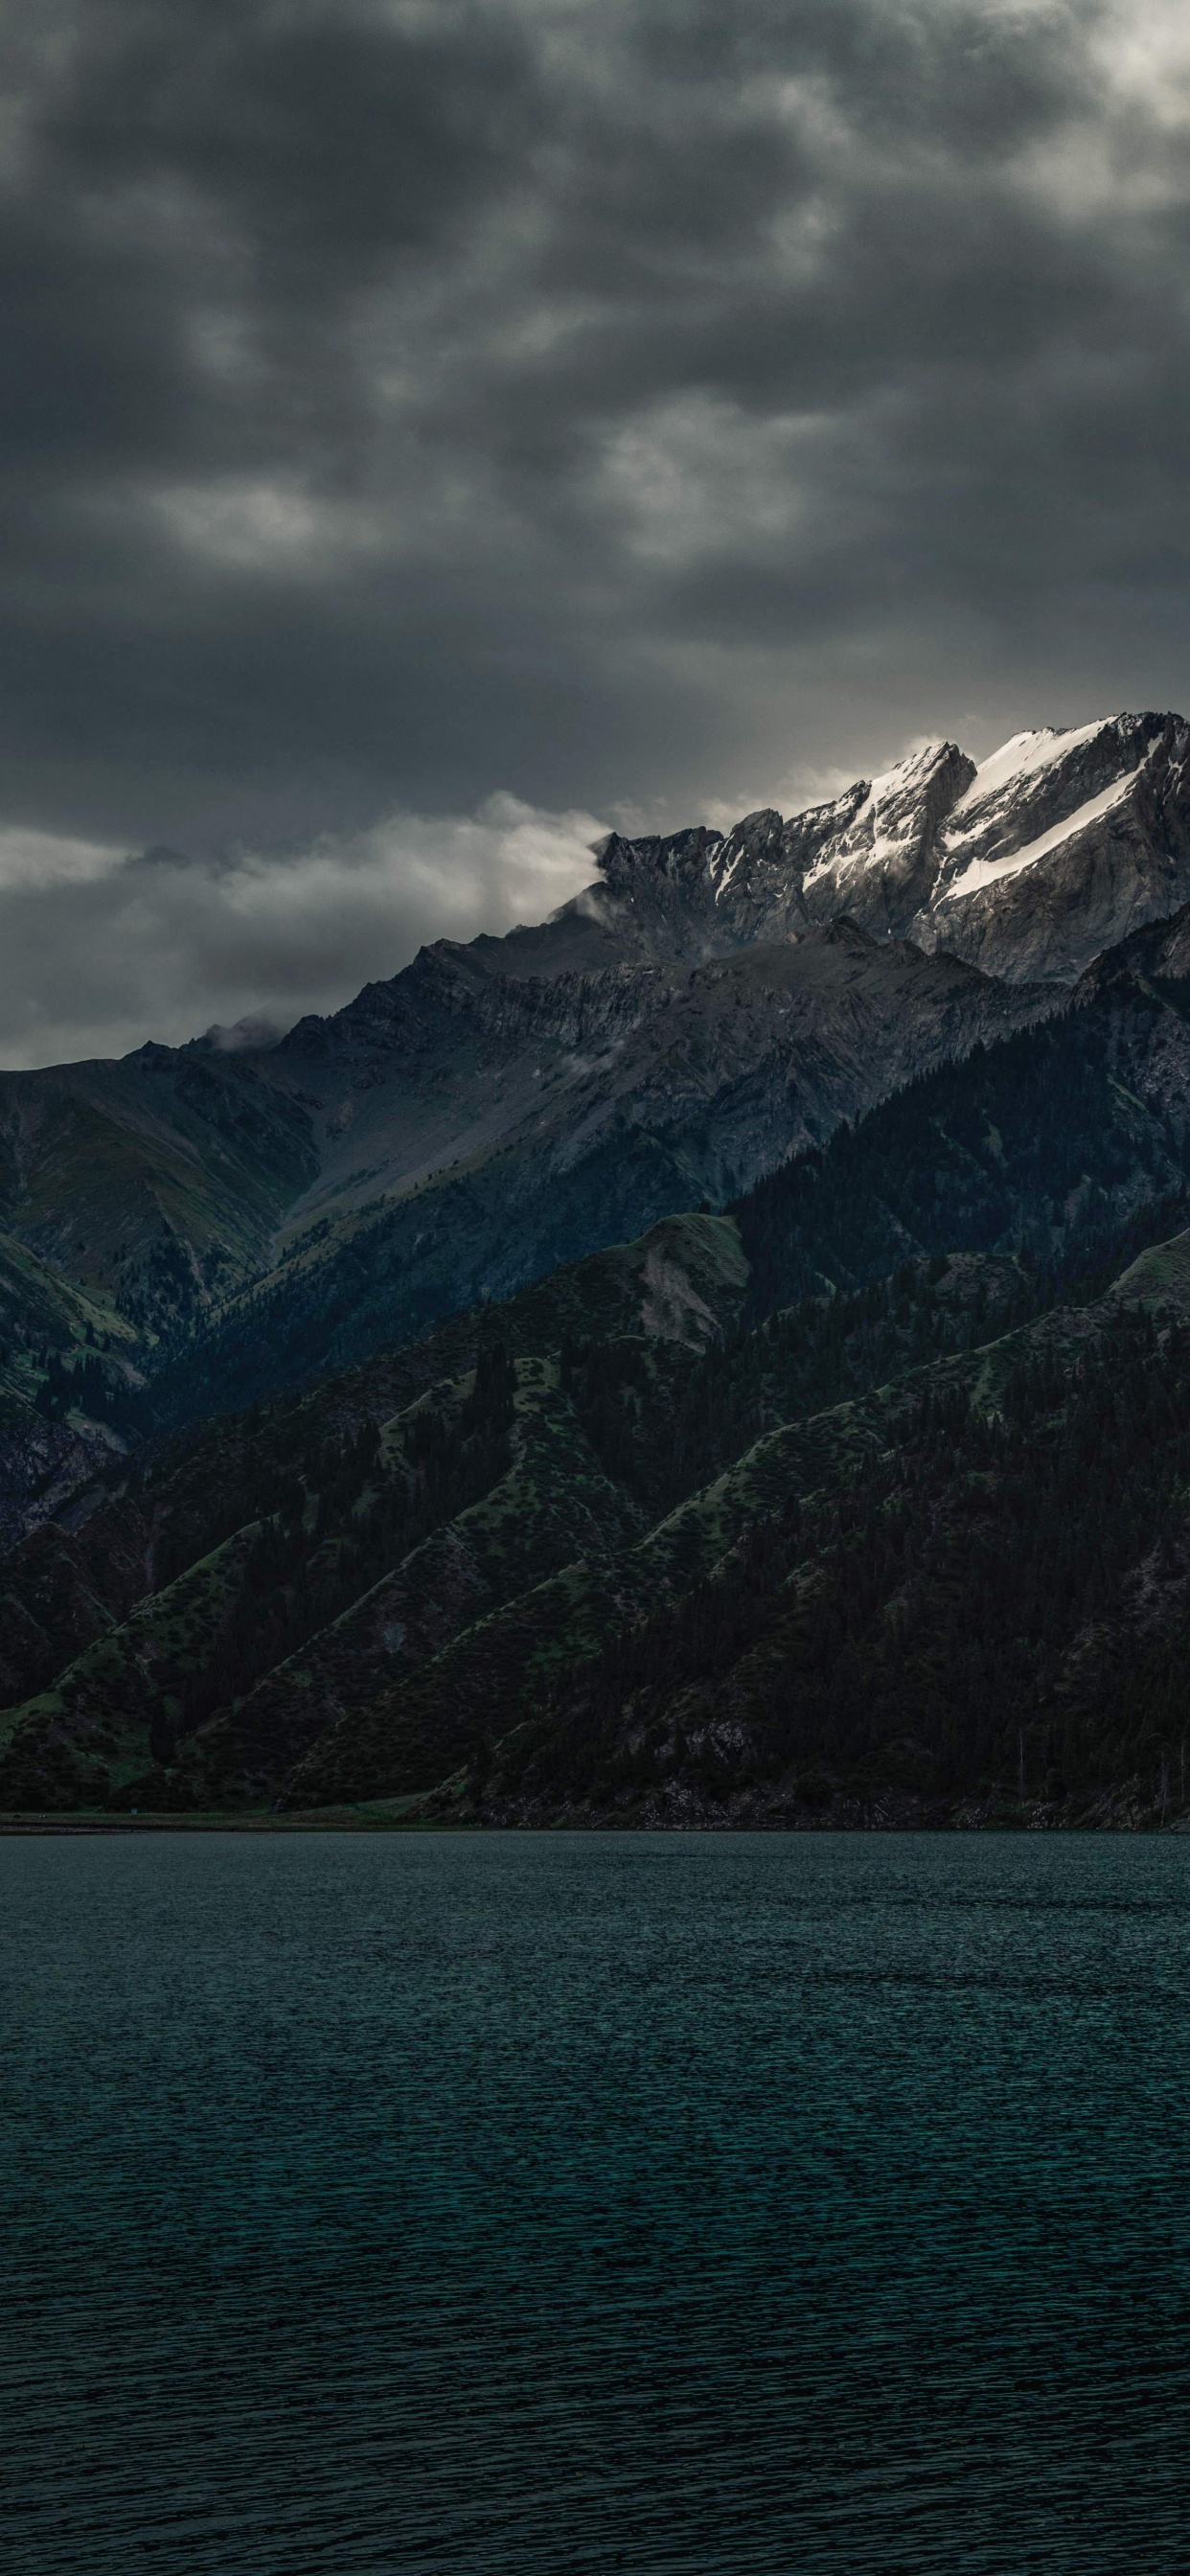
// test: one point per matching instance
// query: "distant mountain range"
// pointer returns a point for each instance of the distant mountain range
(397, 1411)
(711, 1003)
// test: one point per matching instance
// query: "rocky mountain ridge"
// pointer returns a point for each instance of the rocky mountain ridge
(1026, 864)
(710, 1004)
(447, 1137)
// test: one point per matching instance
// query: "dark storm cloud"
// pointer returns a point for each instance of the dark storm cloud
(623, 405)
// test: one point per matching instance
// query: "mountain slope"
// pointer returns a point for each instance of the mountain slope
(382, 1575)
(1031, 1145)
(344, 1547)
(987, 1606)
(710, 1004)
(156, 1182)
(70, 1386)
(1055, 1144)
(127, 1539)
(735, 1064)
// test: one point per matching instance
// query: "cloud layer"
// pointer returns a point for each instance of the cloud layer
(629, 404)
(99, 950)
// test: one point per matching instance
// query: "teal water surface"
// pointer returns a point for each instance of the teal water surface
(681, 2205)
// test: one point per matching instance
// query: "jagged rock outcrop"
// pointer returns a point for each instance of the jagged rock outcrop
(1027, 864)
(1062, 845)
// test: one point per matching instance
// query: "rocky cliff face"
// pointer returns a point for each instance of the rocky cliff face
(1063, 844)
(1027, 864)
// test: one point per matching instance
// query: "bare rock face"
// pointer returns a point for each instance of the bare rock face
(1027, 864)
(883, 869)
(1159, 951)
(1062, 845)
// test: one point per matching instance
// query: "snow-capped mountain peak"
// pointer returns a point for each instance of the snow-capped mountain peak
(1022, 755)
(1028, 862)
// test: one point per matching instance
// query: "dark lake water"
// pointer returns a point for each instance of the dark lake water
(584, 2203)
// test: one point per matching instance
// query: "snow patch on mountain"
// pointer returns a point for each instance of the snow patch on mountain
(990, 871)
(822, 867)
(1024, 754)
(902, 852)
(902, 780)
(888, 822)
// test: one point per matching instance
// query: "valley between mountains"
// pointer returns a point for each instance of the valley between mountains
(721, 1357)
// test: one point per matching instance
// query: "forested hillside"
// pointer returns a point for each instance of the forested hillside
(866, 1500)
(995, 1610)
(1043, 1142)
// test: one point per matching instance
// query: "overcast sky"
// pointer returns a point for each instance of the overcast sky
(434, 430)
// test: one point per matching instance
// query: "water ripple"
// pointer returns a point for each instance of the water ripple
(517, 2204)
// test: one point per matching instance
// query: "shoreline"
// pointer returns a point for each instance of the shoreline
(76, 1824)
